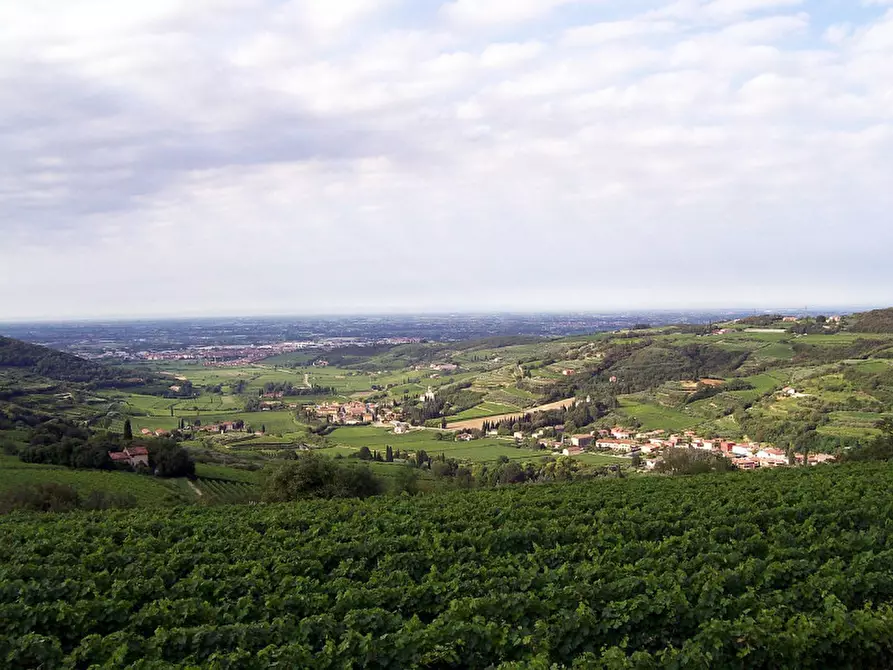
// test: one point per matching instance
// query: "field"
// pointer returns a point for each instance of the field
(468, 424)
(148, 491)
(656, 417)
(779, 569)
(478, 450)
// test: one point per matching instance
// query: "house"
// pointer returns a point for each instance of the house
(620, 433)
(726, 446)
(161, 433)
(747, 463)
(132, 456)
(518, 435)
(138, 456)
(625, 446)
(581, 441)
(742, 450)
(400, 428)
(119, 457)
(464, 437)
(145, 431)
(772, 457)
(572, 451)
(567, 372)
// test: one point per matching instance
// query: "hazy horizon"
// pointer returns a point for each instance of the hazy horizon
(804, 309)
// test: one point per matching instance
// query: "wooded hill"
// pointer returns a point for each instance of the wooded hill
(875, 321)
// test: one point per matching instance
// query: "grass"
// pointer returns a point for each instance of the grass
(656, 417)
(483, 410)
(352, 438)
(148, 491)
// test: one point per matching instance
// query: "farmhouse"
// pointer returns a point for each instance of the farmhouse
(620, 433)
(400, 428)
(132, 456)
(772, 457)
(464, 437)
(581, 440)
(572, 451)
(626, 446)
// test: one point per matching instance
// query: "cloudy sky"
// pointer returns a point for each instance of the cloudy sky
(310, 156)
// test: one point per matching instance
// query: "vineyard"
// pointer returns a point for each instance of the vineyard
(786, 568)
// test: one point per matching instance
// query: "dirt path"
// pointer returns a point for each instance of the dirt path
(195, 488)
(307, 383)
(468, 424)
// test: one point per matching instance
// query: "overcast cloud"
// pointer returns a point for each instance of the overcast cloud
(300, 156)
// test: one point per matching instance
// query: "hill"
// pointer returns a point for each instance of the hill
(875, 321)
(787, 568)
(25, 358)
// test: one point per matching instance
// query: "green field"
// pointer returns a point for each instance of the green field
(656, 417)
(781, 569)
(147, 490)
(485, 409)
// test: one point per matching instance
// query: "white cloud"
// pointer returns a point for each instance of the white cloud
(498, 12)
(483, 154)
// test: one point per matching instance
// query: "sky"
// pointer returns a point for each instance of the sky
(350, 156)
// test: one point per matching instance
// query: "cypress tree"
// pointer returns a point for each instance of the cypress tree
(128, 430)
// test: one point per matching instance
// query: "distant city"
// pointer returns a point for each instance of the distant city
(241, 340)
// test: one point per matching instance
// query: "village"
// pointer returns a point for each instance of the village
(647, 447)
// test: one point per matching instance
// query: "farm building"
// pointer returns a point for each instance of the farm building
(132, 456)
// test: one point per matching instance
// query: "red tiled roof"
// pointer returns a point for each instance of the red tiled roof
(118, 456)
(138, 451)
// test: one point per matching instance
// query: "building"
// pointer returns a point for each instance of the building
(572, 451)
(400, 428)
(567, 372)
(132, 456)
(582, 441)
(464, 437)
(741, 450)
(772, 457)
(620, 433)
(625, 446)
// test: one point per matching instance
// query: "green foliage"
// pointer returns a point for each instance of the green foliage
(875, 321)
(315, 476)
(52, 497)
(693, 462)
(773, 569)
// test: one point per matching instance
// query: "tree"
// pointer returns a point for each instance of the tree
(128, 430)
(692, 462)
(263, 428)
(406, 480)
(389, 454)
(169, 459)
(315, 476)
(364, 454)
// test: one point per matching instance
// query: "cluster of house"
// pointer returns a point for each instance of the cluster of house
(747, 456)
(158, 432)
(132, 456)
(355, 412)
